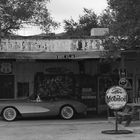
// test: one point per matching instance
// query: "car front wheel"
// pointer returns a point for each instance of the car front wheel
(9, 114)
(67, 112)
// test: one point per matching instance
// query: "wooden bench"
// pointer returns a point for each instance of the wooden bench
(127, 114)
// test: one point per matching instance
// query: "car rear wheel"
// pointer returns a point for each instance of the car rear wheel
(67, 112)
(9, 114)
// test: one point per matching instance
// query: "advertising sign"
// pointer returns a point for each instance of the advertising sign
(116, 97)
(123, 72)
(5, 68)
(123, 82)
(50, 45)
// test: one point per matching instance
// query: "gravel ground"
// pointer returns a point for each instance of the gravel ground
(54, 129)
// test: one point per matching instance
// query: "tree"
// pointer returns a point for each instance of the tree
(15, 13)
(122, 17)
(70, 27)
(84, 24)
(126, 26)
(106, 18)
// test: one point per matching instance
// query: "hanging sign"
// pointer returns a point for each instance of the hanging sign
(123, 82)
(5, 68)
(123, 72)
(116, 97)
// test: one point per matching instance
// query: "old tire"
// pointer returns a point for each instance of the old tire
(67, 112)
(9, 114)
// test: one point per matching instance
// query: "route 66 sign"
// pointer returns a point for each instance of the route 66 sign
(116, 97)
(6, 68)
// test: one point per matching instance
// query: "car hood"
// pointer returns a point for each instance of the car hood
(13, 100)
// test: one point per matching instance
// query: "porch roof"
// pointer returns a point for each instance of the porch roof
(53, 55)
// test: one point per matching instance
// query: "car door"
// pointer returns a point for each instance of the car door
(39, 108)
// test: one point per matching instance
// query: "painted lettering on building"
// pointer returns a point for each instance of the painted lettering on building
(52, 45)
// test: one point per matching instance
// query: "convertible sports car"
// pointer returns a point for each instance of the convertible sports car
(65, 108)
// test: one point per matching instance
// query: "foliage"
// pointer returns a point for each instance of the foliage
(84, 24)
(122, 17)
(126, 26)
(106, 18)
(14, 13)
(71, 27)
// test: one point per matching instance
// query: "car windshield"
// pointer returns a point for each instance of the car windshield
(32, 97)
(44, 98)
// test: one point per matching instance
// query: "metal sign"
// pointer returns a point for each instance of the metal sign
(116, 97)
(123, 82)
(123, 72)
(5, 68)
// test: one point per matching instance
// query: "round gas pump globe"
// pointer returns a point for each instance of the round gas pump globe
(116, 97)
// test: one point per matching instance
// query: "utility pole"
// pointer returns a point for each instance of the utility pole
(1, 13)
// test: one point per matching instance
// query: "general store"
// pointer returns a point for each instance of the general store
(63, 67)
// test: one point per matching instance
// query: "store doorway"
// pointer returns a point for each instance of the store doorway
(104, 83)
(6, 86)
(137, 86)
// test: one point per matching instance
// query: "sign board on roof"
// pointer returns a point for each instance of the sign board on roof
(99, 31)
(50, 45)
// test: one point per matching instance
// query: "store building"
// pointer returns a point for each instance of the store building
(62, 67)
(130, 64)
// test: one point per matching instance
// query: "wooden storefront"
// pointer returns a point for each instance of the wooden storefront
(60, 67)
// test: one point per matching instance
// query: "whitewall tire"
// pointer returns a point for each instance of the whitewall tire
(9, 114)
(67, 112)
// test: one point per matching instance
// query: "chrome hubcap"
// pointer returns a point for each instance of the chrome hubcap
(9, 114)
(67, 112)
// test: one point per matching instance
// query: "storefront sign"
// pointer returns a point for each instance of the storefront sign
(123, 82)
(5, 68)
(116, 97)
(50, 45)
(123, 72)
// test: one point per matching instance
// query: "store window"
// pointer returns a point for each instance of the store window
(23, 89)
(6, 86)
(55, 84)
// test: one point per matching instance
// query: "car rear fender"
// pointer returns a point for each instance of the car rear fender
(68, 105)
(18, 113)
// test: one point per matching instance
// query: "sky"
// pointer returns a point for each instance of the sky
(66, 9)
